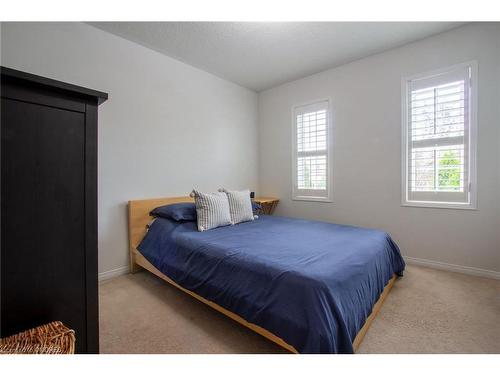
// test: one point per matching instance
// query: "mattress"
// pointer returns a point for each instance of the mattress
(311, 283)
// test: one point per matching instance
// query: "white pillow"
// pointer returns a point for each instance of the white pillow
(240, 205)
(212, 210)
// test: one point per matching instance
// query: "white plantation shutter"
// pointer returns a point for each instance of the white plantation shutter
(311, 151)
(438, 160)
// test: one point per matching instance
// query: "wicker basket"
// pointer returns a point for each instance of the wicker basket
(52, 338)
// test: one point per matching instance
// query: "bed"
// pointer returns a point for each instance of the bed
(309, 286)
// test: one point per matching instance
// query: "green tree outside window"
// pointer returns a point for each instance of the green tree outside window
(448, 176)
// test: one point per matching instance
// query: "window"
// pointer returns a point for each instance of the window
(439, 135)
(311, 132)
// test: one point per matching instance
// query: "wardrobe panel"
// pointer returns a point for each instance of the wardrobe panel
(43, 217)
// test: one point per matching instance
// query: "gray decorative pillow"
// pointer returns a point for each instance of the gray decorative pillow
(212, 210)
(240, 205)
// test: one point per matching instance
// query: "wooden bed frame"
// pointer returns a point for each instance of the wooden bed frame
(138, 218)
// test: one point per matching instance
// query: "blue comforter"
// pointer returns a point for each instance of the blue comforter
(311, 283)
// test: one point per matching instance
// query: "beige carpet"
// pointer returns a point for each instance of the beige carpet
(428, 311)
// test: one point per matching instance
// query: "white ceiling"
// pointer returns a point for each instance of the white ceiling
(260, 55)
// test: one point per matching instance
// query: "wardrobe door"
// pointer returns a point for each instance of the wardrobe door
(43, 218)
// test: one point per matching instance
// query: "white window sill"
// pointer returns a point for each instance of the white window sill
(312, 199)
(453, 206)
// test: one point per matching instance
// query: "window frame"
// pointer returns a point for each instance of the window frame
(295, 192)
(471, 204)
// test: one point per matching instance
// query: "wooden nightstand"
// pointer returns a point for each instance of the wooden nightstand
(268, 204)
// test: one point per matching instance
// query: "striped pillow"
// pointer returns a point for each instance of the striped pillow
(212, 210)
(240, 205)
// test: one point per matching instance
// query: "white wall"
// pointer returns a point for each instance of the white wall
(166, 125)
(366, 99)
(166, 128)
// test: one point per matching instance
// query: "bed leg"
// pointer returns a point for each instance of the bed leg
(134, 267)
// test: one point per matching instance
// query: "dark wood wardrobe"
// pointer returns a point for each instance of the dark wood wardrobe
(48, 268)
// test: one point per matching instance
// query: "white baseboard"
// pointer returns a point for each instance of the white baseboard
(106, 275)
(453, 267)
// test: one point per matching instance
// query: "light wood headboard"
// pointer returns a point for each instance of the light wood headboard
(138, 219)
